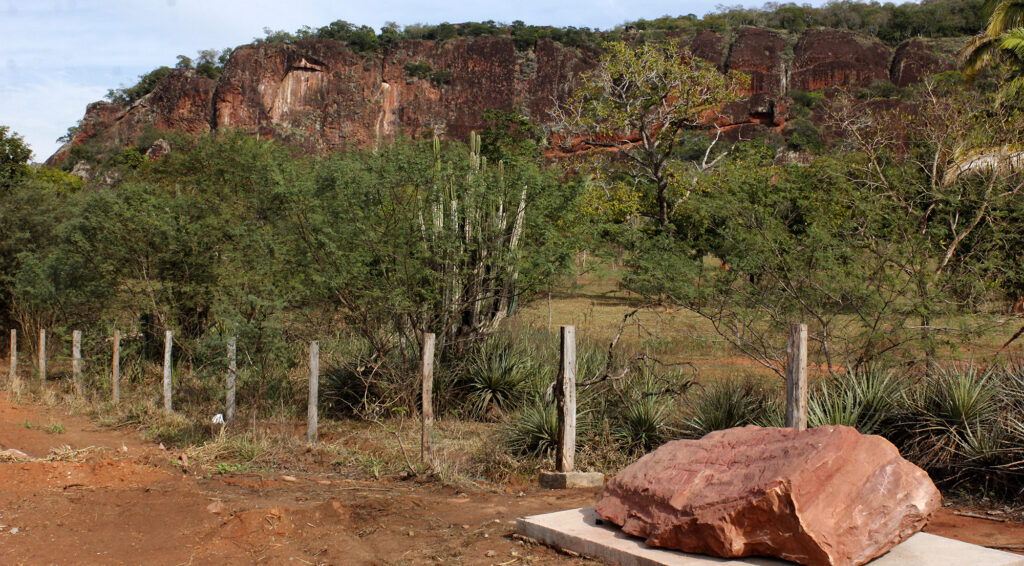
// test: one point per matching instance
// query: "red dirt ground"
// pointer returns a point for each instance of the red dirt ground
(127, 504)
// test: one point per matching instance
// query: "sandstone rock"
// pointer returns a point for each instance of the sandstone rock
(82, 170)
(833, 58)
(917, 58)
(320, 93)
(709, 46)
(825, 496)
(758, 53)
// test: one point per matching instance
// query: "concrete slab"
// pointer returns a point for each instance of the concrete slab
(570, 480)
(578, 530)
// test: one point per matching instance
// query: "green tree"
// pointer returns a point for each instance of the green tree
(903, 225)
(14, 156)
(639, 101)
(418, 238)
(146, 84)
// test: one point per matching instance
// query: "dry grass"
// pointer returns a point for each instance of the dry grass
(68, 454)
(596, 305)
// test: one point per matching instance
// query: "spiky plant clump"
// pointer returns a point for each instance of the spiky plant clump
(534, 431)
(641, 416)
(952, 417)
(497, 376)
(725, 404)
(643, 425)
(833, 402)
(773, 413)
(960, 395)
(867, 399)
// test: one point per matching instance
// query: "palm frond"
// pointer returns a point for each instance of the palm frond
(1013, 41)
(977, 55)
(1007, 15)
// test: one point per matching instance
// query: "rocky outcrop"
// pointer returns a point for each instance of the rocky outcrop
(828, 496)
(917, 58)
(181, 101)
(319, 87)
(321, 94)
(758, 53)
(160, 148)
(832, 58)
(710, 46)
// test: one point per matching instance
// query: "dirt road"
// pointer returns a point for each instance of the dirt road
(113, 498)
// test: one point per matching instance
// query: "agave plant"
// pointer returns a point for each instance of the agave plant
(497, 375)
(534, 431)
(865, 398)
(725, 404)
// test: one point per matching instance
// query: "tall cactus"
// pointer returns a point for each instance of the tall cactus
(474, 239)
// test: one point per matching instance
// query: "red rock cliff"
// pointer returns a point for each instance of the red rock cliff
(320, 93)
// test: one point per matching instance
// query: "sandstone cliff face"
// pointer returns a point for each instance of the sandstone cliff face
(827, 58)
(917, 58)
(340, 98)
(181, 101)
(758, 53)
(321, 94)
(711, 47)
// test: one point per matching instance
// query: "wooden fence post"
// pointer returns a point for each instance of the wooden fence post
(427, 401)
(115, 367)
(565, 394)
(42, 358)
(76, 361)
(168, 344)
(796, 377)
(229, 410)
(14, 355)
(314, 386)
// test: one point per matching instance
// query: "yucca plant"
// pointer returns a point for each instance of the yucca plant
(643, 424)
(534, 431)
(960, 395)
(867, 399)
(833, 402)
(724, 404)
(497, 376)
(981, 445)
(953, 409)
(772, 414)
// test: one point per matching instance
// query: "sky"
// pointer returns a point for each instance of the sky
(56, 56)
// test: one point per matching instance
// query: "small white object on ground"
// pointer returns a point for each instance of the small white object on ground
(218, 418)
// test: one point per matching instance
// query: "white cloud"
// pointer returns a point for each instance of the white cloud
(42, 109)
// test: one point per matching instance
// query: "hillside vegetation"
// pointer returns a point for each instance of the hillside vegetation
(894, 228)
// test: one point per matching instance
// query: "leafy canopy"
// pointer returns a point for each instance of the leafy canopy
(14, 156)
(639, 101)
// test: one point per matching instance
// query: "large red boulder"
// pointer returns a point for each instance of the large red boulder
(825, 496)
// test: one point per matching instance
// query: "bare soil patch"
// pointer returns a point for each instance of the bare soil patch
(110, 497)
